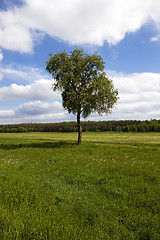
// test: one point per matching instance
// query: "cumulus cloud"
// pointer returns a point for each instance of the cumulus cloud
(37, 111)
(6, 114)
(1, 57)
(139, 99)
(75, 21)
(139, 95)
(13, 34)
(9, 117)
(39, 90)
(37, 108)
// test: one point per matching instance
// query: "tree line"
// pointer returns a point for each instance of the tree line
(87, 126)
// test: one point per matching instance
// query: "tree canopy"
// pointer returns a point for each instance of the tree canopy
(83, 83)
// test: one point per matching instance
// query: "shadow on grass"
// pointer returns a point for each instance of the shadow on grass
(38, 145)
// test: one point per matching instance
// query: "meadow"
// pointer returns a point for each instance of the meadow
(106, 188)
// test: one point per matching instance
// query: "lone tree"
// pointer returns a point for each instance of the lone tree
(83, 84)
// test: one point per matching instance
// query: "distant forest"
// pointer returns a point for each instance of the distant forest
(87, 126)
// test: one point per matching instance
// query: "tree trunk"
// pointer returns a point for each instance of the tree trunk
(79, 128)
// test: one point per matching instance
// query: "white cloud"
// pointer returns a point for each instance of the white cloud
(37, 108)
(138, 82)
(5, 114)
(34, 112)
(39, 90)
(75, 21)
(14, 35)
(139, 95)
(21, 75)
(139, 99)
(1, 55)
(9, 117)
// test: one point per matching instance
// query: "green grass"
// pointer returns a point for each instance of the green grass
(106, 188)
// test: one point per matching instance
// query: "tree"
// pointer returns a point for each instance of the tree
(82, 80)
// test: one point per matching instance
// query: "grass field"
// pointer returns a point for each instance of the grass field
(106, 188)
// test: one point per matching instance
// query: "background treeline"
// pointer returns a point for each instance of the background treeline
(88, 126)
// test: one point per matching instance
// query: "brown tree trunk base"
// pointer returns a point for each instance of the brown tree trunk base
(80, 135)
(79, 129)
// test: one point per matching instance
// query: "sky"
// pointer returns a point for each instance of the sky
(125, 33)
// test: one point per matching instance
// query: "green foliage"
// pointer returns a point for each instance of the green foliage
(90, 126)
(82, 80)
(107, 188)
(118, 129)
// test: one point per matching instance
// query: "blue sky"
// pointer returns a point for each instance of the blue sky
(125, 33)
